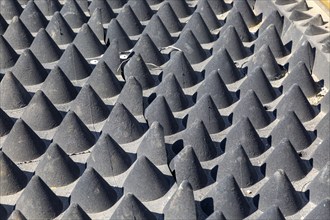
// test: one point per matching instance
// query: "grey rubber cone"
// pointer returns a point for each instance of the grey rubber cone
(297, 15)
(130, 207)
(28, 70)
(10, 9)
(96, 24)
(72, 135)
(73, 64)
(117, 123)
(38, 201)
(17, 35)
(272, 212)
(48, 7)
(22, 144)
(304, 53)
(218, 6)
(60, 30)
(323, 127)
(131, 96)
(111, 57)
(205, 110)
(169, 18)
(320, 155)
(75, 212)
(6, 123)
(73, 14)
(235, 19)
(13, 179)
(106, 11)
(129, 22)
(116, 32)
(321, 211)
(146, 181)
(180, 8)
(274, 18)
(158, 32)
(182, 203)
(319, 187)
(248, 15)
(96, 197)
(56, 168)
(44, 48)
(208, 15)
(17, 215)
(13, 94)
(103, 81)
(40, 114)
(58, 88)
(141, 9)
(8, 54)
(153, 145)
(237, 163)
(108, 158)
(313, 30)
(33, 18)
(159, 111)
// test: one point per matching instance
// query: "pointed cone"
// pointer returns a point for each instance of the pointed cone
(297, 15)
(216, 215)
(295, 100)
(72, 135)
(58, 88)
(116, 32)
(8, 54)
(38, 201)
(313, 30)
(301, 5)
(3, 25)
(285, 157)
(274, 18)
(137, 68)
(304, 54)
(169, 18)
(10, 9)
(104, 81)
(237, 163)
(122, 126)
(191, 48)
(96, 24)
(250, 106)
(321, 211)
(218, 6)
(258, 82)
(323, 127)
(59, 30)
(230, 40)
(146, 181)
(41, 114)
(187, 167)
(12, 178)
(182, 204)
(13, 94)
(48, 7)
(16, 215)
(108, 158)
(222, 62)
(236, 20)
(131, 208)
(300, 75)
(83, 4)
(141, 9)
(22, 144)
(316, 20)
(95, 197)
(206, 111)
(17, 35)
(74, 64)
(210, 19)
(180, 8)
(116, 3)
(106, 11)
(279, 191)
(111, 56)
(170, 88)
(199, 139)
(229, 199)
(129, 22)
(271, 38)
(291, 128)
(159, 111)
(73, 14)
(214, 86)
(197, 25)
(5, 123)
(244, 134)
(158, 32)
(56, 168)
(132, 97)
(321, 154)
(89, 107)
(265, 59)
(182, 70)
(148, 50)
(44, 48)
(272, 212)
(319, 187)
(88, 43)
(28, 70)
(248, 15)
(153, 145)
(75, 212)
(33, 18)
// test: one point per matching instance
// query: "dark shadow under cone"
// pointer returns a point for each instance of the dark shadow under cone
(8, 54)
(5, 123)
